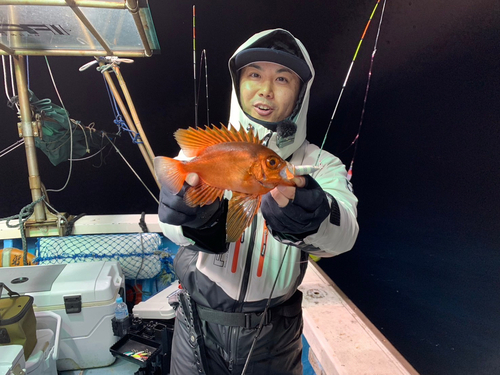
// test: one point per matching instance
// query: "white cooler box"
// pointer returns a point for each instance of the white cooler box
(84, 295)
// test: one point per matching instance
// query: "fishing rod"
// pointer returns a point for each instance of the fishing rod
(349, 72)
(204, 58)
(356, 138)
(261, 324)
(197, 89)
(194, 69)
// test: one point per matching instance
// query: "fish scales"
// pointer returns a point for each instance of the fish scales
(227, 166)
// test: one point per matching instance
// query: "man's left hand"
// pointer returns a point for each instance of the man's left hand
(296, 209)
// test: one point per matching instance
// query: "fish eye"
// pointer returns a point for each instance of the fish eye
(272, 162)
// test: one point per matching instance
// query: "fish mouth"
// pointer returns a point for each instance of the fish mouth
(267, 186)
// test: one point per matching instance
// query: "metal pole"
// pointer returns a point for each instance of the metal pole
(133, 112)
(78, 3)
(133, 7)
(130, 123)
(89, 26)
(29, 140)
(67, 52)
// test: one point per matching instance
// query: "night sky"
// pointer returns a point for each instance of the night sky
(425, 269)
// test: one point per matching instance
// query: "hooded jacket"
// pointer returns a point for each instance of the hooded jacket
(241, 278)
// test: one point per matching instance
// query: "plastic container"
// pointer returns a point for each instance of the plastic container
(42, 361)
(121, 310)
(52, 321)
(11, 359)
(136, 349)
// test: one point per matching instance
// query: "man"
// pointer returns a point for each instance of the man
(227, 286)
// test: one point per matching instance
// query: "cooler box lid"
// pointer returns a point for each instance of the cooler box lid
(95, 282)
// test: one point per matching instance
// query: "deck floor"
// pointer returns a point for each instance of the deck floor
(123, 367)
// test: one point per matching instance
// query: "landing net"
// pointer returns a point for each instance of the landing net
(141, 255)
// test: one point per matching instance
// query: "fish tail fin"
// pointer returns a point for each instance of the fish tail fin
(170, 173)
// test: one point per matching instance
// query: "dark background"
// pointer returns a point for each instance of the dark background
(425, 268)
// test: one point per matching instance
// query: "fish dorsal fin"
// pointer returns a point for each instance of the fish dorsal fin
(241, 210)
(194, 141)
(202, 194)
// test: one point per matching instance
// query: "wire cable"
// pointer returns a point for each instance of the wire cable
(6, 85)
(132, 169)
(12, 147)
(70, 132)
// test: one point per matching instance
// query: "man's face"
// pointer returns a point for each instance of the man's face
(268, 91)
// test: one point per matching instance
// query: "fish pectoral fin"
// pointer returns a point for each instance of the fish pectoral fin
(241, 210)
(202, 195)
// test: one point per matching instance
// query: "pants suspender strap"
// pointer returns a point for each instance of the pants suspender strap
(195, 333)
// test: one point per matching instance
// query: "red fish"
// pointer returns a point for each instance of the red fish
(226, 160)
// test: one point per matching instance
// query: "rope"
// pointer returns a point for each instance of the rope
(142, 223)
(122, 125)
(79, 123)
(118, 121)
(71, 224)
(23, 216)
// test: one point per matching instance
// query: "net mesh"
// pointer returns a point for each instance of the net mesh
(141, 255)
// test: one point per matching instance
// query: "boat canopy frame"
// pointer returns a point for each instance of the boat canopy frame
(98, 28)
(77, 28)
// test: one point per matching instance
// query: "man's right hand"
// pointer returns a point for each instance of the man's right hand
(173, 210)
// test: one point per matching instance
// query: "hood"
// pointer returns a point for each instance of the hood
(239, 118)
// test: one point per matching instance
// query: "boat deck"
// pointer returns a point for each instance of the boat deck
(342, 340)
(338, 338)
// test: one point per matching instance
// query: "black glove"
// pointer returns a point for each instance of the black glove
(206, 225)
(173, 210)
(300, 217)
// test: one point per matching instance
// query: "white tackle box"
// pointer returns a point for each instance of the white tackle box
(157, 307)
